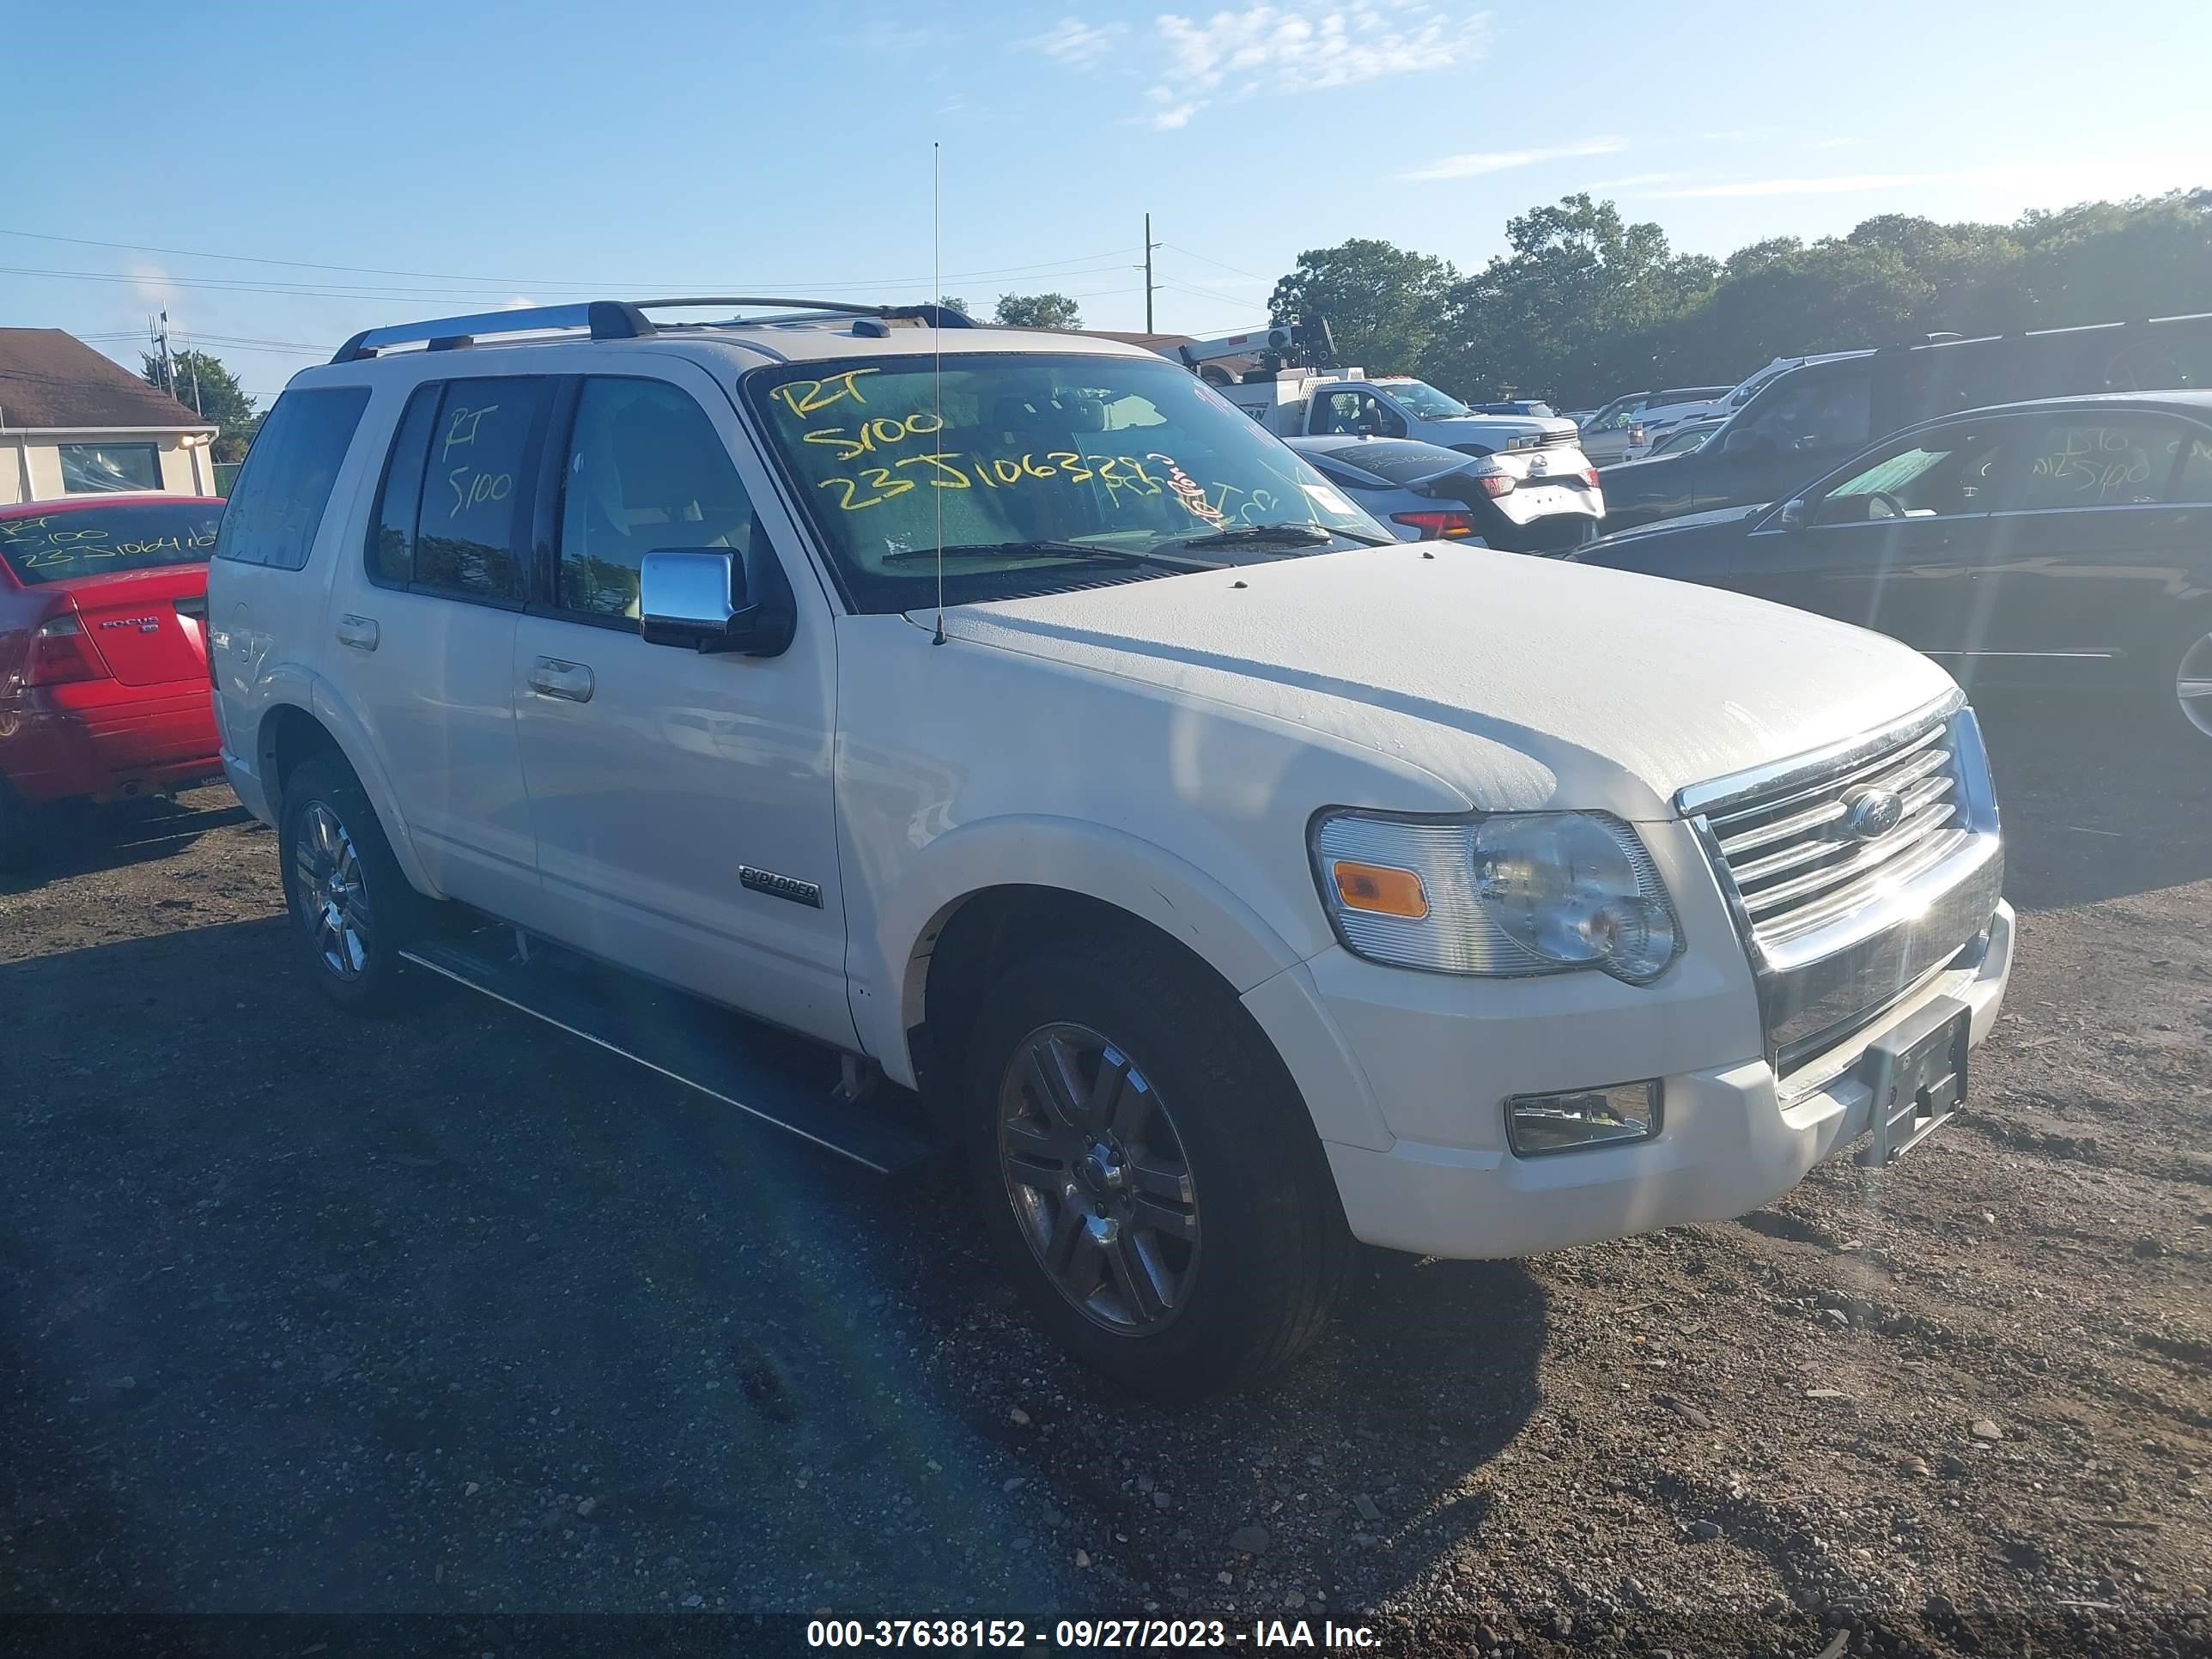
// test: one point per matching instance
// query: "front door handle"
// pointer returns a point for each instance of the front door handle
(359, 632)
(549, 676)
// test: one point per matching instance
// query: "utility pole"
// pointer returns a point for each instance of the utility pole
(1149, 245)
(168, 370)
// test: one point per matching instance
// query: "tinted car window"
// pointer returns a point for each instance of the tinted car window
(276, 505)
(1400, 460)
(98, 541)
(2193, 482)
(1937, 475)
(1813, 408)
(399, 499)
(2126, 460)
(472, 530)
(646, 470)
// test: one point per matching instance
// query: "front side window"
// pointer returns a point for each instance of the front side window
(98, 541)
(1426, 401)
(646, 470)
(276, 505)
(2124, 461)
(1938, 475)
(1806, 410)
(1040, 471)
(91, 469)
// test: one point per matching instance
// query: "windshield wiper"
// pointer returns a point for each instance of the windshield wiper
(1289, 534)
(1052, 549)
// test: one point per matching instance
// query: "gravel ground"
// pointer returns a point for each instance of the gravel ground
(451, 1315)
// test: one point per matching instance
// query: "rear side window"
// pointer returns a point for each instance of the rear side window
(277, 503)
(455, 509)
(2123, 461)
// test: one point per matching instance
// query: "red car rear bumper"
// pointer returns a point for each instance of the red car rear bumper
(103, 741)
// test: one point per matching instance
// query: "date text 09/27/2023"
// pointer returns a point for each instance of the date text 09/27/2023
(1088, 1634)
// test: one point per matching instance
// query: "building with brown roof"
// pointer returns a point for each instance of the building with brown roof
(73, 422)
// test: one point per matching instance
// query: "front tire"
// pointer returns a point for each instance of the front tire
(352, 909)
(1148, 1173)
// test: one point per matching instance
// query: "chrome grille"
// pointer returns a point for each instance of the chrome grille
(1798, 867)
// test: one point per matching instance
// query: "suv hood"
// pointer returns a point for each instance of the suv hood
(1520, 683)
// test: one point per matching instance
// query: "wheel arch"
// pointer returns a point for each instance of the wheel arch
(997, 889)
(304, 718)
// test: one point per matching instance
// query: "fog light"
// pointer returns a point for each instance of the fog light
(1536, 1124)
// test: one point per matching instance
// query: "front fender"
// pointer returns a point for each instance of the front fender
(1072, 855)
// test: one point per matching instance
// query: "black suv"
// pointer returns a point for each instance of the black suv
(1816, 414)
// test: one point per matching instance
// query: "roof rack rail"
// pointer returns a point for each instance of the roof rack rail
(613, 320)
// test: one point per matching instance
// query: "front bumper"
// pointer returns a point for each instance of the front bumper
(1732, 1137)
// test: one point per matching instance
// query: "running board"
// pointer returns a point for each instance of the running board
(770, 1074)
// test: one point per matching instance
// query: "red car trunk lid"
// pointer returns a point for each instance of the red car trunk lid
(133, 620)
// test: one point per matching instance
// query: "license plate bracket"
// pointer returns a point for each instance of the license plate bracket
(1916, 1072)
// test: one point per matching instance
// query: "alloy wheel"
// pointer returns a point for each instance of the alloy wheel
(2192, 684)
(333, 892)
(1098, 1180)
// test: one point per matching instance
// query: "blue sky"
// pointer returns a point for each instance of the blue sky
(417, 161)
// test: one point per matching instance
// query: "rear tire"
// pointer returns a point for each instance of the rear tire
(2183, 677)
(352, 909)
(1128, 1124)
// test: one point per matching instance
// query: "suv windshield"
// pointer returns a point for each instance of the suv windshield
(1425, 401)
(100, 540)
(1038, 471)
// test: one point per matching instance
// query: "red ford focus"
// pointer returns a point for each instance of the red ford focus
(104, 692)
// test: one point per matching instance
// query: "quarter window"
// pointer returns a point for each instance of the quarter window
(276, 504)
(2194, 483)
(2122, 462)
(391, 530)
(646, 470)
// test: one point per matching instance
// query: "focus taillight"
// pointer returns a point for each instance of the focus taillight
(1443, 526)
(61, 651)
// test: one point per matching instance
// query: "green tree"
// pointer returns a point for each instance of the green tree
(1384, 305)
(1571, 309)
(1038, 311)
(198, 381)
(953, 303)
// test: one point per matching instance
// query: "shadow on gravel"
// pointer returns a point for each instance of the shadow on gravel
(81, 840)
(2098, 800)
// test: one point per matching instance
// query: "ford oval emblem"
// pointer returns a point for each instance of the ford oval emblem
(1872, 812)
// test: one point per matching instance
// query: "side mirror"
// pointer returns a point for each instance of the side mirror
(696, 597)
(1793, 514)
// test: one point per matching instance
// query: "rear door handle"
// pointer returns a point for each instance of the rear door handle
(549, 676)
(359, 632)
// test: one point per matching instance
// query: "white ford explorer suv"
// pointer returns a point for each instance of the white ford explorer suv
(1228, 879)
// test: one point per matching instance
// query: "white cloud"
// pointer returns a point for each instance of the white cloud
(1305, 46)
(520, 303)
(1500, 161)
(152, 285)
(1071, 40)
(1634, 180)
(1840, 185)
(2049, 183)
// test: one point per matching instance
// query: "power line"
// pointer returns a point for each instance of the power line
(568, 282)
(1237, 269)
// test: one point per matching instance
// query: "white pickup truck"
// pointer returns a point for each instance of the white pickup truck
(1085, 781)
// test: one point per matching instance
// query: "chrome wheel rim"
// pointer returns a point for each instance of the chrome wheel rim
(2192, 684)
(1098, 1180)
(333, 893)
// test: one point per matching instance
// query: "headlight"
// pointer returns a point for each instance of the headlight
(1515, 893)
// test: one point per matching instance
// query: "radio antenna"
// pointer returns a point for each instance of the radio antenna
(937, 334)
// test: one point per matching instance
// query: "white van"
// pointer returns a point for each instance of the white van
(1090, 785)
